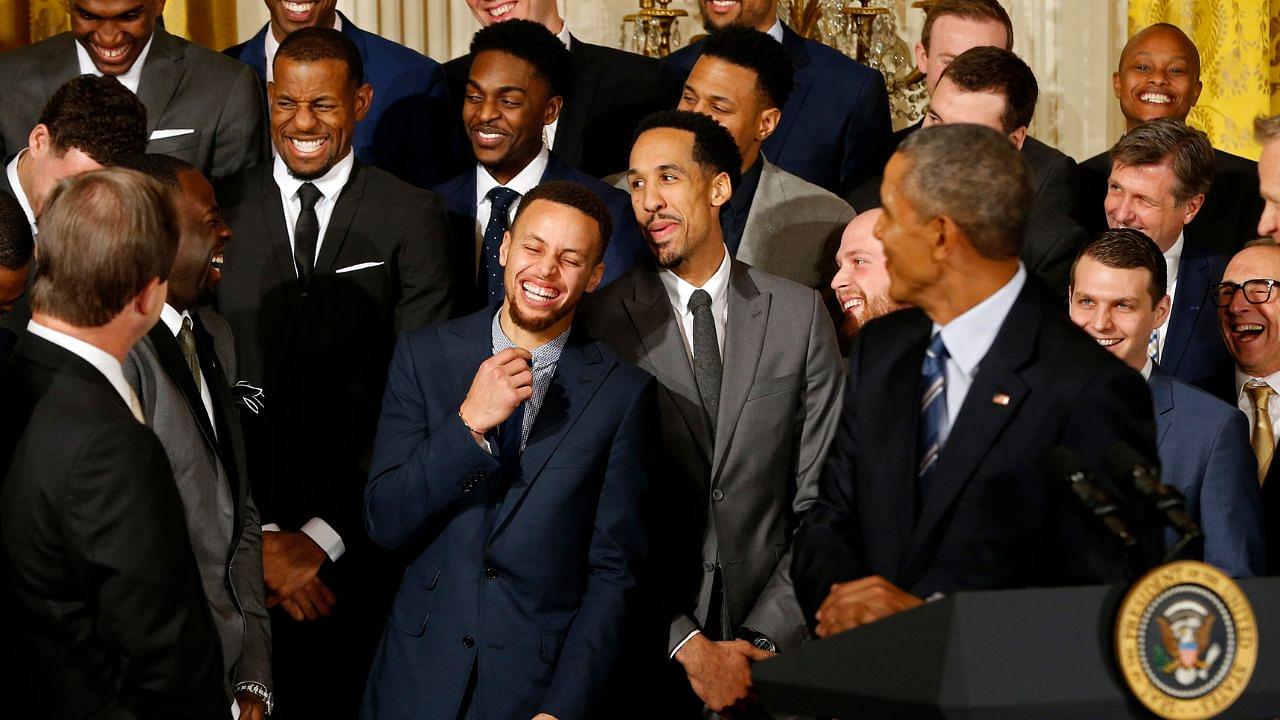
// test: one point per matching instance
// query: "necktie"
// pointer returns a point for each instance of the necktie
(187, 342)
(510, 438)
(1153, 346)
(306, 234)
(135, 407)
(490, 276)
(933, 408)
(707, 370)
(1263, 439)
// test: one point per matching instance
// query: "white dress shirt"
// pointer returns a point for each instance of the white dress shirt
(173, 320)
(1146, 370)
(679, 291)
(775, 31)
(524, 181)
(95, 356)
(11, 171)
(330, 186)
(270, 45)
(1246, 404)
(1172, 260)
(129, 79)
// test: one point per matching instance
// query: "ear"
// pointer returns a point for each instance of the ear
(597, 274)
(947, 235)
(768, 123)
(150, 300)
(159, 6)
(364, 99)
(504, 248)
(1115, 84)
(39, 141)
(1162, 311)
(1018, 137)
(1195, 93)
(553, 110)
(1191, 209)
(271, 94)
(922, 59)
(721, 190)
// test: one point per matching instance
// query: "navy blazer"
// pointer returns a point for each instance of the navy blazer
(1193, 349)
(527, 581)
(407, 131)
(1205, 453)
(626, 249)
(835, 129)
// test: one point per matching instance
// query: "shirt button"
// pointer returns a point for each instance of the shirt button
(468, 641)
(717, 495)
(491, 573)
(708, 566)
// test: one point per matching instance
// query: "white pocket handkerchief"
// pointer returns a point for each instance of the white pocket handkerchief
(162, 134)
(361, 266)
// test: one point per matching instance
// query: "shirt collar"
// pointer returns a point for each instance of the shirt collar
(524, 181)
(1243, 378)
(173, 319)
(12, 172)
(969, 336)
(1175, 253)
(680, 290)
(330, 184)
(544, 356)
(564, 36)
(130, 78)
(270, 44)
(775, 32)
(100, 359)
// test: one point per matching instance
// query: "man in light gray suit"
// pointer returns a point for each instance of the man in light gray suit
(181, 372)
(202, 106)
(751, 384)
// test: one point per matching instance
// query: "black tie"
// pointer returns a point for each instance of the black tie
(707, 369)
(500, 200)
(306, 233)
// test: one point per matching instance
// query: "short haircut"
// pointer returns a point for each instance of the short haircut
(978, 10)
(533, 43)
(1167, 27)
(1266, 129)
(1128, 249)
(713, 147)
(998, 71)
(163, 168)
(15, 234)
(312, 44)
(97, 116)
(753, 50)
(1169, 140)
(103, 236)
(574, 195)
(975, 176)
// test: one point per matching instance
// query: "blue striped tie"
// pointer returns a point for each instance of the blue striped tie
(933, 408)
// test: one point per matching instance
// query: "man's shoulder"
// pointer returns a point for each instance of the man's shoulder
(1230, 164)
(621, 60)
(37, 53)
(824, 59)
(684, 59)
(789, 295)
(386, 187)
(1099, 164)
(803, 197)
(244, 187)
(609, 193)
(1208, 409)
(242, 51)
(384, 51)
(209, 64)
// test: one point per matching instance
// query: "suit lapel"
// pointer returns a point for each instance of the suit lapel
(340, 221)
(160, 77)
(224, 410)
(1161, 384)
(61, 63)
(175, 366)
(1193, 282)
(757, 233)
(467, 343)
(278, 234)
(743, 344)
(791, 113)
(573, 117)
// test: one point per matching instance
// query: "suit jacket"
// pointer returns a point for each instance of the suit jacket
(835, 129)
(738, 497)
(409, 128)
(184, 87)
(626, 249)
(208, 464)
(1193, 349)
(556, 544)
(991, 519)
(384, 266)
(1049, 247)
(105, 613)
(613, 90)
(1205, 453)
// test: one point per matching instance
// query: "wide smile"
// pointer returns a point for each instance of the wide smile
(307, 147)
(851, 306)
(298, 12)
(539, 294)
(498, 12)
(1108, 342)
(488, 137)
(215, 267)
(723, 6)
(1156, 98)
(1246, 332)
(111, 55)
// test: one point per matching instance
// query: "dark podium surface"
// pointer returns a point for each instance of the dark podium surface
(1041, 653)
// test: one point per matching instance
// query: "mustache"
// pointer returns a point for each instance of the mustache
(662, 216)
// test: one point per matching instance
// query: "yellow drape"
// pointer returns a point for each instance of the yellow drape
(211, 23)
(1239, 43)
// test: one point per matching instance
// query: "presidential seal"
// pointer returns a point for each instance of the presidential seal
(1186, 641)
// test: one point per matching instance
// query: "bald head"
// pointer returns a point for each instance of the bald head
(1158, 75)
(862, 280)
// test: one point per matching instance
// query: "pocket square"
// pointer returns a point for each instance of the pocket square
(358, 266)
(162, 134)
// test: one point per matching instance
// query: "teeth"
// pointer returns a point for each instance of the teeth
(216, 261)
(1248, 327)
(1158, 98)
(724, 4)
(852, 303)
(307, 146)
(298, 7)
(112, 54)
(489, 136)
(539, 293)
(1108, 342)
(502, 10)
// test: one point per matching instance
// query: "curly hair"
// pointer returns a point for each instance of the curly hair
(15, 234)
(574, 195)
(713, 147)
(534, 44)
(98, 116)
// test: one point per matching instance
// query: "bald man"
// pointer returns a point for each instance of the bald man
(1267, 132)
(861, 282)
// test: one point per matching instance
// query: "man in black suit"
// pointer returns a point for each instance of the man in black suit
(104, 610)
(1159, 77)
(934, 482)
(15, 263)
(202, 107)
(333, 258)
(611, 90)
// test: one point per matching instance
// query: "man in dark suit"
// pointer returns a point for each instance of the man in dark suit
(333, 258)
(182, 372)
(935, 483)
(1118, 296)
(201, 107)
(1159, 77)
(750, 378)
(1160, 174)
(15, 264)
(104, 613)
(519, 78)
(609, 92)
(511, 448)
(408, 128)
(835, 128)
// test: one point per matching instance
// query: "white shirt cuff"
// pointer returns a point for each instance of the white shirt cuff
(682, 643)
(271, 527)
(325, 536)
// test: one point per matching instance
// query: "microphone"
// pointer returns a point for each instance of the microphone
(1128, 467)
(1067, 464)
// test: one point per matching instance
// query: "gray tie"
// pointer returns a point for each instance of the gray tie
(707, 369)
(187, 342)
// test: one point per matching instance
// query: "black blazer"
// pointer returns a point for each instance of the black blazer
(106, 614)
(320, 359)
(991, 518)
(613, 90)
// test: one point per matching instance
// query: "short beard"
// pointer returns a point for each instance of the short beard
(533, 324)
(875, 307)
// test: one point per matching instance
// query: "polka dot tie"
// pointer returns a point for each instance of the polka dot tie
(490, 275)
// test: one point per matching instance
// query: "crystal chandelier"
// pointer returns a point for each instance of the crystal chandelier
(652, 31)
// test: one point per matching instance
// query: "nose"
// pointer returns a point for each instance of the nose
(489, 110)
(303, 118)
(1101, 320)
(1269, 224)
(651, 200)
(842, 277)
(1122, 210)
(108, 33)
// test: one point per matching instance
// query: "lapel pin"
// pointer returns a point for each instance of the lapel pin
(1000, 399)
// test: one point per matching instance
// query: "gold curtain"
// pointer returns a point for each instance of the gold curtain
(1239, 43)
(211, 23)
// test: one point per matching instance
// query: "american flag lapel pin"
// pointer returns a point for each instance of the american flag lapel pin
(1000, 399)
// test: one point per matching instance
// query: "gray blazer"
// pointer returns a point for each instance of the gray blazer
(209, 469)
(736, 500)
(184, 87)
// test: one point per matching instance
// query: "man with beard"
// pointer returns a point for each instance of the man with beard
(750, 378)
(182, 372)
(333, 259)
(509, 468)
(861, 282)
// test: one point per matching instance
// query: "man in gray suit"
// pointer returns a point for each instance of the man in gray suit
(751, 384)
(181, 372)
(202, 106)
(775, 221)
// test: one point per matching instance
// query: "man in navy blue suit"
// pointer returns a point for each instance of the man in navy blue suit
(509, 467)
(1160, 172)
(520, 74)
(408, 131)
(835, 129)
(1118, 296)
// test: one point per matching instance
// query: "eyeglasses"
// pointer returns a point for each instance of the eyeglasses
(1255, 291)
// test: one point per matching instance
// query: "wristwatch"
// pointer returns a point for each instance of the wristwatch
(757, 639)
(262, 692)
